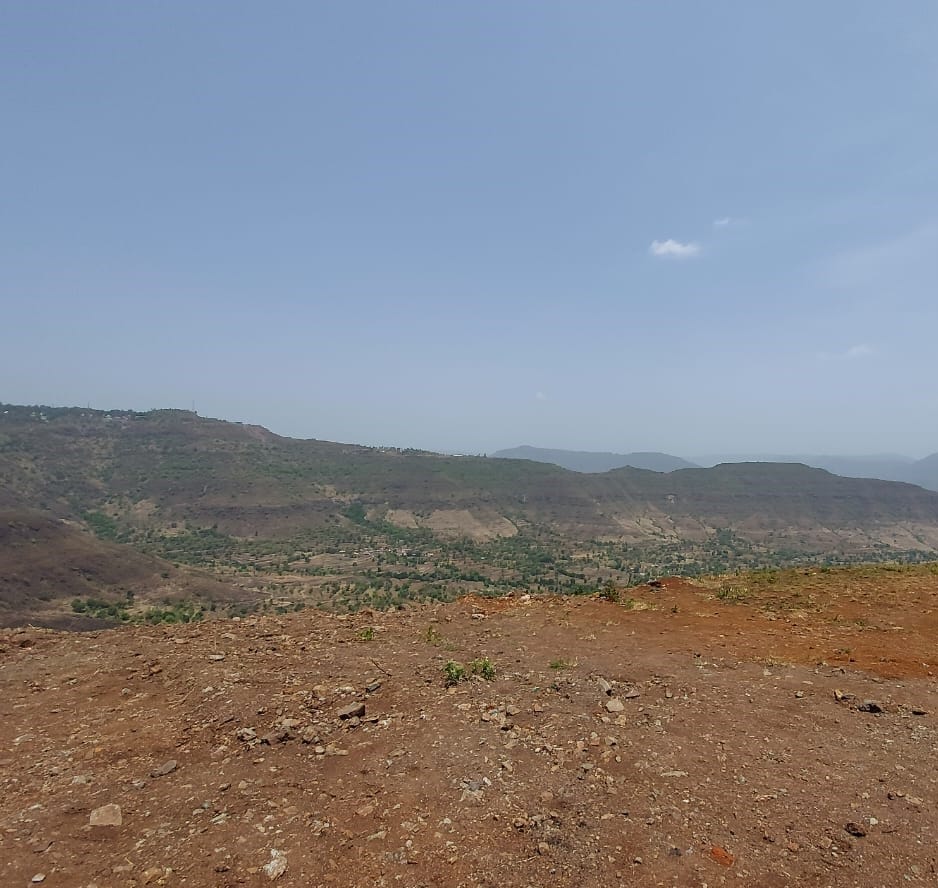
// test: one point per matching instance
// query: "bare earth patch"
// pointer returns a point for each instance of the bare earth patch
(674, 738)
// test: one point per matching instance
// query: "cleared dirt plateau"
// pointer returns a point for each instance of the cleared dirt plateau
(671, 738)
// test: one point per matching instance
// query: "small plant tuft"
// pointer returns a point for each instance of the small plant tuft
(367, 634)
(483, 667)
(454, 673)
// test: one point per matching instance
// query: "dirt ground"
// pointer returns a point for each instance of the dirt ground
(672, 738)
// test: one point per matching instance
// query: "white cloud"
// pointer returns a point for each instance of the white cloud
(540, 396)
(672, 249)
(722, 222)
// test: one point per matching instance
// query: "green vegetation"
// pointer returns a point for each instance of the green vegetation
(732, 592)
(454, 673)
(561, 663)
(171, 612)
(367, 634)
(484, 668)
(101, 610)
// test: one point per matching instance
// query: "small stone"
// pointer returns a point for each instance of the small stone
(632, 693)
(276, 866)
(615, 705)
(799, 694)
(721, 856)
(164, 769)
(353, 710)
(855, 829)
(870, 706)
(106, 815)
(373, 686)
(39, 877)
(216, 657)
(150, 875)
(605, 686)
(246, 734)
(543, 848)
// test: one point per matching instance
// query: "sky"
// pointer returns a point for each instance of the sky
(678, 226)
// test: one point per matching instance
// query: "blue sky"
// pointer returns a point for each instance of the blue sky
(681, 226)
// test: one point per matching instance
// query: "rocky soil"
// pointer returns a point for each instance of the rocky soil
(668, 739)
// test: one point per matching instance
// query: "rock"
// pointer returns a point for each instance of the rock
(605, 686)
(276, 866)
(373, 686)
(870, 706)
(164, 769)
(543, 848)
(632, 693)
(309, 735)
(353, 710)
(281, 735)
(106, 815)
(39, 877)
(799, 694)
(246, 734)
(615, 705)
(855, 829)
(216, 657)
(721, 856)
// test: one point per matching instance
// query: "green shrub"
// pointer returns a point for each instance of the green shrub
(453, 673)
(483, 667)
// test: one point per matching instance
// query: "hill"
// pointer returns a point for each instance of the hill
(885, 467)
(590, 462)
(296, 523)
(47, 564)
(768, 729)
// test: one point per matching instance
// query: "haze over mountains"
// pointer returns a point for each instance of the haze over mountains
(886, 467)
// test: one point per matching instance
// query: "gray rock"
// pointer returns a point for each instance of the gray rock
(353, 710)
(164, 769)
(615, 705)
(106, 815)
(277, 865)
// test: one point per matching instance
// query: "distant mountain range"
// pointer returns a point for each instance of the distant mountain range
(590, 462)
(104, 504)
(884, 467)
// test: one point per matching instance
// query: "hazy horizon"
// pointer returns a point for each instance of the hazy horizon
(689, 228)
